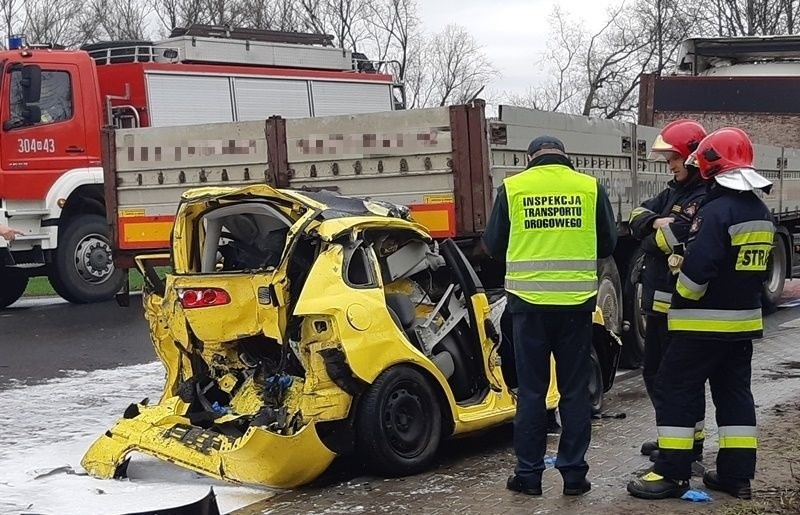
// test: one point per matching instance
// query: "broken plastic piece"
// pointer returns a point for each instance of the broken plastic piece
(220, 410)
(696, 496)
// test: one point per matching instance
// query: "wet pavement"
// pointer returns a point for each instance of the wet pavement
(41, 338)
(471, 472)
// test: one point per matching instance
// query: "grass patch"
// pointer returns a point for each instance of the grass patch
(40, 286)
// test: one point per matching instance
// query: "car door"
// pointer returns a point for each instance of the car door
(35, 155)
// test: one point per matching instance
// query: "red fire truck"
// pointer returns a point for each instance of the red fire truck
(55, 102)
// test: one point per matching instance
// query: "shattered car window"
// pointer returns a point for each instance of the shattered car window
(244, 236)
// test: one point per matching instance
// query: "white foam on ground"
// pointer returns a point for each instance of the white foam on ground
(46, 429)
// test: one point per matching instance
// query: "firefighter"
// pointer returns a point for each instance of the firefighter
(550, 224)
(714, 316)
(662, 223)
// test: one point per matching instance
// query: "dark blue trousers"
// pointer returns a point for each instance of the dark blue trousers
(568, 335)
(686, 366)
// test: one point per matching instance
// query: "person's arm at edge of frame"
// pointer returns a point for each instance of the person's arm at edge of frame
(606, 226)
(495, 237)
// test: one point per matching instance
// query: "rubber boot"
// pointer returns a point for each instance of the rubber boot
(656, 486)
(739, 488)
(698, 452)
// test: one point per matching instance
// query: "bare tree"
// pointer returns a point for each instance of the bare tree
(117, 19)
(176, 13)
(748, 17)
(12, 11)
(457, 68)
(560, 89)
(223, 12)
(346, 19)
(392, 28)
(55, 21)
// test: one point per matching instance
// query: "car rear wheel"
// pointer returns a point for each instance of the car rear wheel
(399, 423)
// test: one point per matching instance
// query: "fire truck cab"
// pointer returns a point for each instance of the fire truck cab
(56, 101)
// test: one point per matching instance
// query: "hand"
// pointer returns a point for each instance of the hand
(674, 262)
(8, 233)
(661, 222)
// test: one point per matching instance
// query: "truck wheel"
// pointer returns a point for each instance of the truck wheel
(776, 276)
(609, 294)
(596, 383)
(14, 281)
(399, 423)
(82, 270)
(633, 339)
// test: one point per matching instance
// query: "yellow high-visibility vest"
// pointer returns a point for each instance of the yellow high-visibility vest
(552, 245)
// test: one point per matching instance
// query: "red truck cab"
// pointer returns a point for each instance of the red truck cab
(34, 155)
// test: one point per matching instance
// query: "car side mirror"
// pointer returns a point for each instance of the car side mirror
(32, 114)
(31, 83)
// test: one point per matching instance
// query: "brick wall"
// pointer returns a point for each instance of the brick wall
(782, 130)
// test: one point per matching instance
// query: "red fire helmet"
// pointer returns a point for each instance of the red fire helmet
(680, 136)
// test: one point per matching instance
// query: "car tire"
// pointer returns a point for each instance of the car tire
(609, 294)
(13, 281)
(596, 382)
(81, 271)
(633, 339)
(399, 424)
(773, 286)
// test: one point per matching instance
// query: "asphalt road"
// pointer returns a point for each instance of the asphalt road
(44, 338)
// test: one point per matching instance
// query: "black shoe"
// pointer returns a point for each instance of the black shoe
(649, 447)
(517, 484)
(656, 486)
(577, 488)
(739, 488)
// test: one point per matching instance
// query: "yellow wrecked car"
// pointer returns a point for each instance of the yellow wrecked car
(298, 326)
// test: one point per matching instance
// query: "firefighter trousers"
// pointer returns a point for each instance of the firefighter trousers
(686, 366)
(568, 336)
(656, 342)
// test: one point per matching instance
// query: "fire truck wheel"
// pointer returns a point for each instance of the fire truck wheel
(82, 270)
(14, 281)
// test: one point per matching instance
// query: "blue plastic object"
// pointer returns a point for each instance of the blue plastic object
(696, 496)
(550, 461)
(219, 410)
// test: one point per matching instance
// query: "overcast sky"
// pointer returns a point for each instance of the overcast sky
(513, 32)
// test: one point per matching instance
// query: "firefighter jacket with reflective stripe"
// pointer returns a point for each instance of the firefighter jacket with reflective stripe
(680, 200)
(718, 292)
(552, 246)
